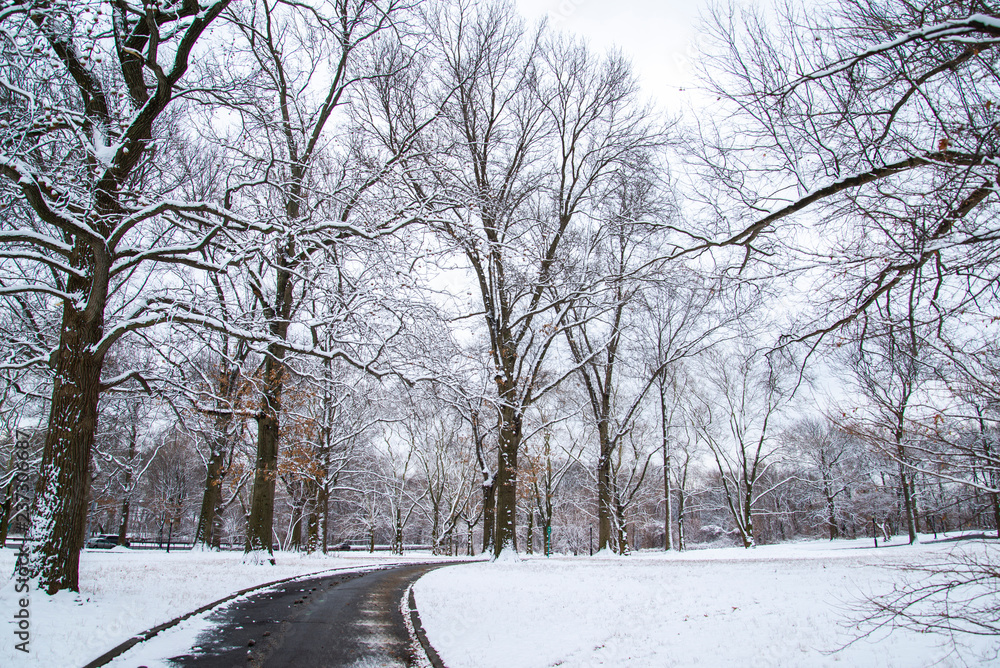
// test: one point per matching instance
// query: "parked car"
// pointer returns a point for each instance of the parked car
(343, 546)
(104, 542)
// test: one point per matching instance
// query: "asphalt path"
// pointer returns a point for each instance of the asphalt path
(339, 620)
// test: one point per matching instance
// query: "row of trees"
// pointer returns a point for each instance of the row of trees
(413, 478)
(379, 260)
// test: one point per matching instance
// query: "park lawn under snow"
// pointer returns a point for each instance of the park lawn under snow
(124, 592)
(781, 605)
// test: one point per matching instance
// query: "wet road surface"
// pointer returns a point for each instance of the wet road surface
(340, 620)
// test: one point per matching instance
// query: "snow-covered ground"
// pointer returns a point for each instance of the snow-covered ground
(781, 605)
(124, 592)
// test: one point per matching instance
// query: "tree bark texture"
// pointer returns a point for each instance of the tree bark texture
(506, 484)
(260, 524)
(59, 513)
(605, 491)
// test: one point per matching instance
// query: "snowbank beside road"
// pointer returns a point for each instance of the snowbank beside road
(783, 605)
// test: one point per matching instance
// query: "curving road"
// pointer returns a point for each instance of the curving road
(340, 620)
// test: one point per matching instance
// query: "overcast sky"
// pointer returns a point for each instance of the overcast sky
(660, 36)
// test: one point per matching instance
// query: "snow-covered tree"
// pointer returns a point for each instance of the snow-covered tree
(87, 88)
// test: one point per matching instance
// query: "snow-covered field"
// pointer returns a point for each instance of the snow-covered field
(782, 605)
(124, 592)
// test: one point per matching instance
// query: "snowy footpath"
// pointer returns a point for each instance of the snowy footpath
(124, 592)
(783, 605)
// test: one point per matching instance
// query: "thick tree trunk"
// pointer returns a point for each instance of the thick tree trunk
(59, 512)
(506, 483)
(260, 526)
(261, 520)
(207, 529)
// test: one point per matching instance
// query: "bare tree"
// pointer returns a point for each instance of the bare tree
(301, 172)
(957, 595)
(746, 391)
(878, 120)
(86, 90)
(891, 367)
(534, 125)
(545, 470)
(831, 463)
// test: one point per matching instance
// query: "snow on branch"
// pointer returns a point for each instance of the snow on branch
(949, 30)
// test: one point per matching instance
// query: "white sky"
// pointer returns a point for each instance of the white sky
(659, 36)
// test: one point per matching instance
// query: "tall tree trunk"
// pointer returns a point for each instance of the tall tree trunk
(295, 539)
(831, 507)
(992, 472)
(470, 549)
(605, 491)
(435, 528)
(529, 543)
(325, 505)
(506, 483)
(8, 493)
(397, 538)
(310, 512)
(128, 484)
(5, 512)
(205, 532)
(908, 503)
(489, 487)
(680, 517)
(59, 512)
(623, 543)
(668, 519)
(489, 514)
(312, 531)
(208, 529)
(260, 525)
(749, 540)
